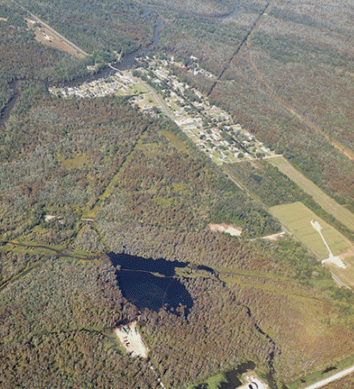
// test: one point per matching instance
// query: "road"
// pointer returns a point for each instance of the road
(161, 103)
(152, 91)
(334, 377)
(34, 17)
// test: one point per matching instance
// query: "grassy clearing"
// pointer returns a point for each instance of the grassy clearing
(212, 382)
(345, 275)
(34, 250)
(138, 88)
(327, 203)
(75, 163)
(175, 141)
(320, 375)
(297, 218)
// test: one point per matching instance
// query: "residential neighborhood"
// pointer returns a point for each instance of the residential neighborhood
(211, 128)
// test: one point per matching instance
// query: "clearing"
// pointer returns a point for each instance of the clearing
(346, 276)
(334, 377)
(227, 228)
(297, 218)
(49, 37)
(131, 339)
(327, 203)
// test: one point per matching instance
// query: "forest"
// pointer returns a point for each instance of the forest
(272, 188)
(83, 177)
(101, 25)
(290, 85)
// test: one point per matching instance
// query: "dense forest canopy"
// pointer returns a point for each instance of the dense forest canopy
(83, 177)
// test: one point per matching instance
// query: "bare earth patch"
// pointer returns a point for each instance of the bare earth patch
(227, 228)
(274, 237)
(132, 341)
(46, 37)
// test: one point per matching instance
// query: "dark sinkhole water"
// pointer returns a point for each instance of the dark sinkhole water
(151, 283)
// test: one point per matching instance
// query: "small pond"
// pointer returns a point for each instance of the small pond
(151, 283)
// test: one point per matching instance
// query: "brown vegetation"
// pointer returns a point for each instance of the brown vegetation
(58, 157)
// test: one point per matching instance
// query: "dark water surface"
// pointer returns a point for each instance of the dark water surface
(129, 61)
(151, 283)
(5, 112)
(232, 376)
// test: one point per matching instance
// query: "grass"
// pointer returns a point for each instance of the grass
(139, 88)
(34, 250)
(318, 376)
(345, 275)
(175, 142)
(75, 163)
(297, 218)
(213, 382)
(327, 203)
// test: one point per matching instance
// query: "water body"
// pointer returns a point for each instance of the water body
(104, 73)
(147, 10)
(129, 61)
(5, 113)
(151, 283)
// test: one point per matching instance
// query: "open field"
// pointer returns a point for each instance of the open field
(180, 146)
(297, 218)
(326, 202)
(345, 275)
(47, 37)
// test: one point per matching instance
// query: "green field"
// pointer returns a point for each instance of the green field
(326, 202)
(297, 218)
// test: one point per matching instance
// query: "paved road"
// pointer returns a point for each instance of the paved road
(162, 105)
(36, 18)
(331, 379)
(152, 91)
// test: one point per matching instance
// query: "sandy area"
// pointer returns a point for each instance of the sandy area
(274, 237)
(227, 228)
(46, 37)
(132, 341)
(252, 382)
